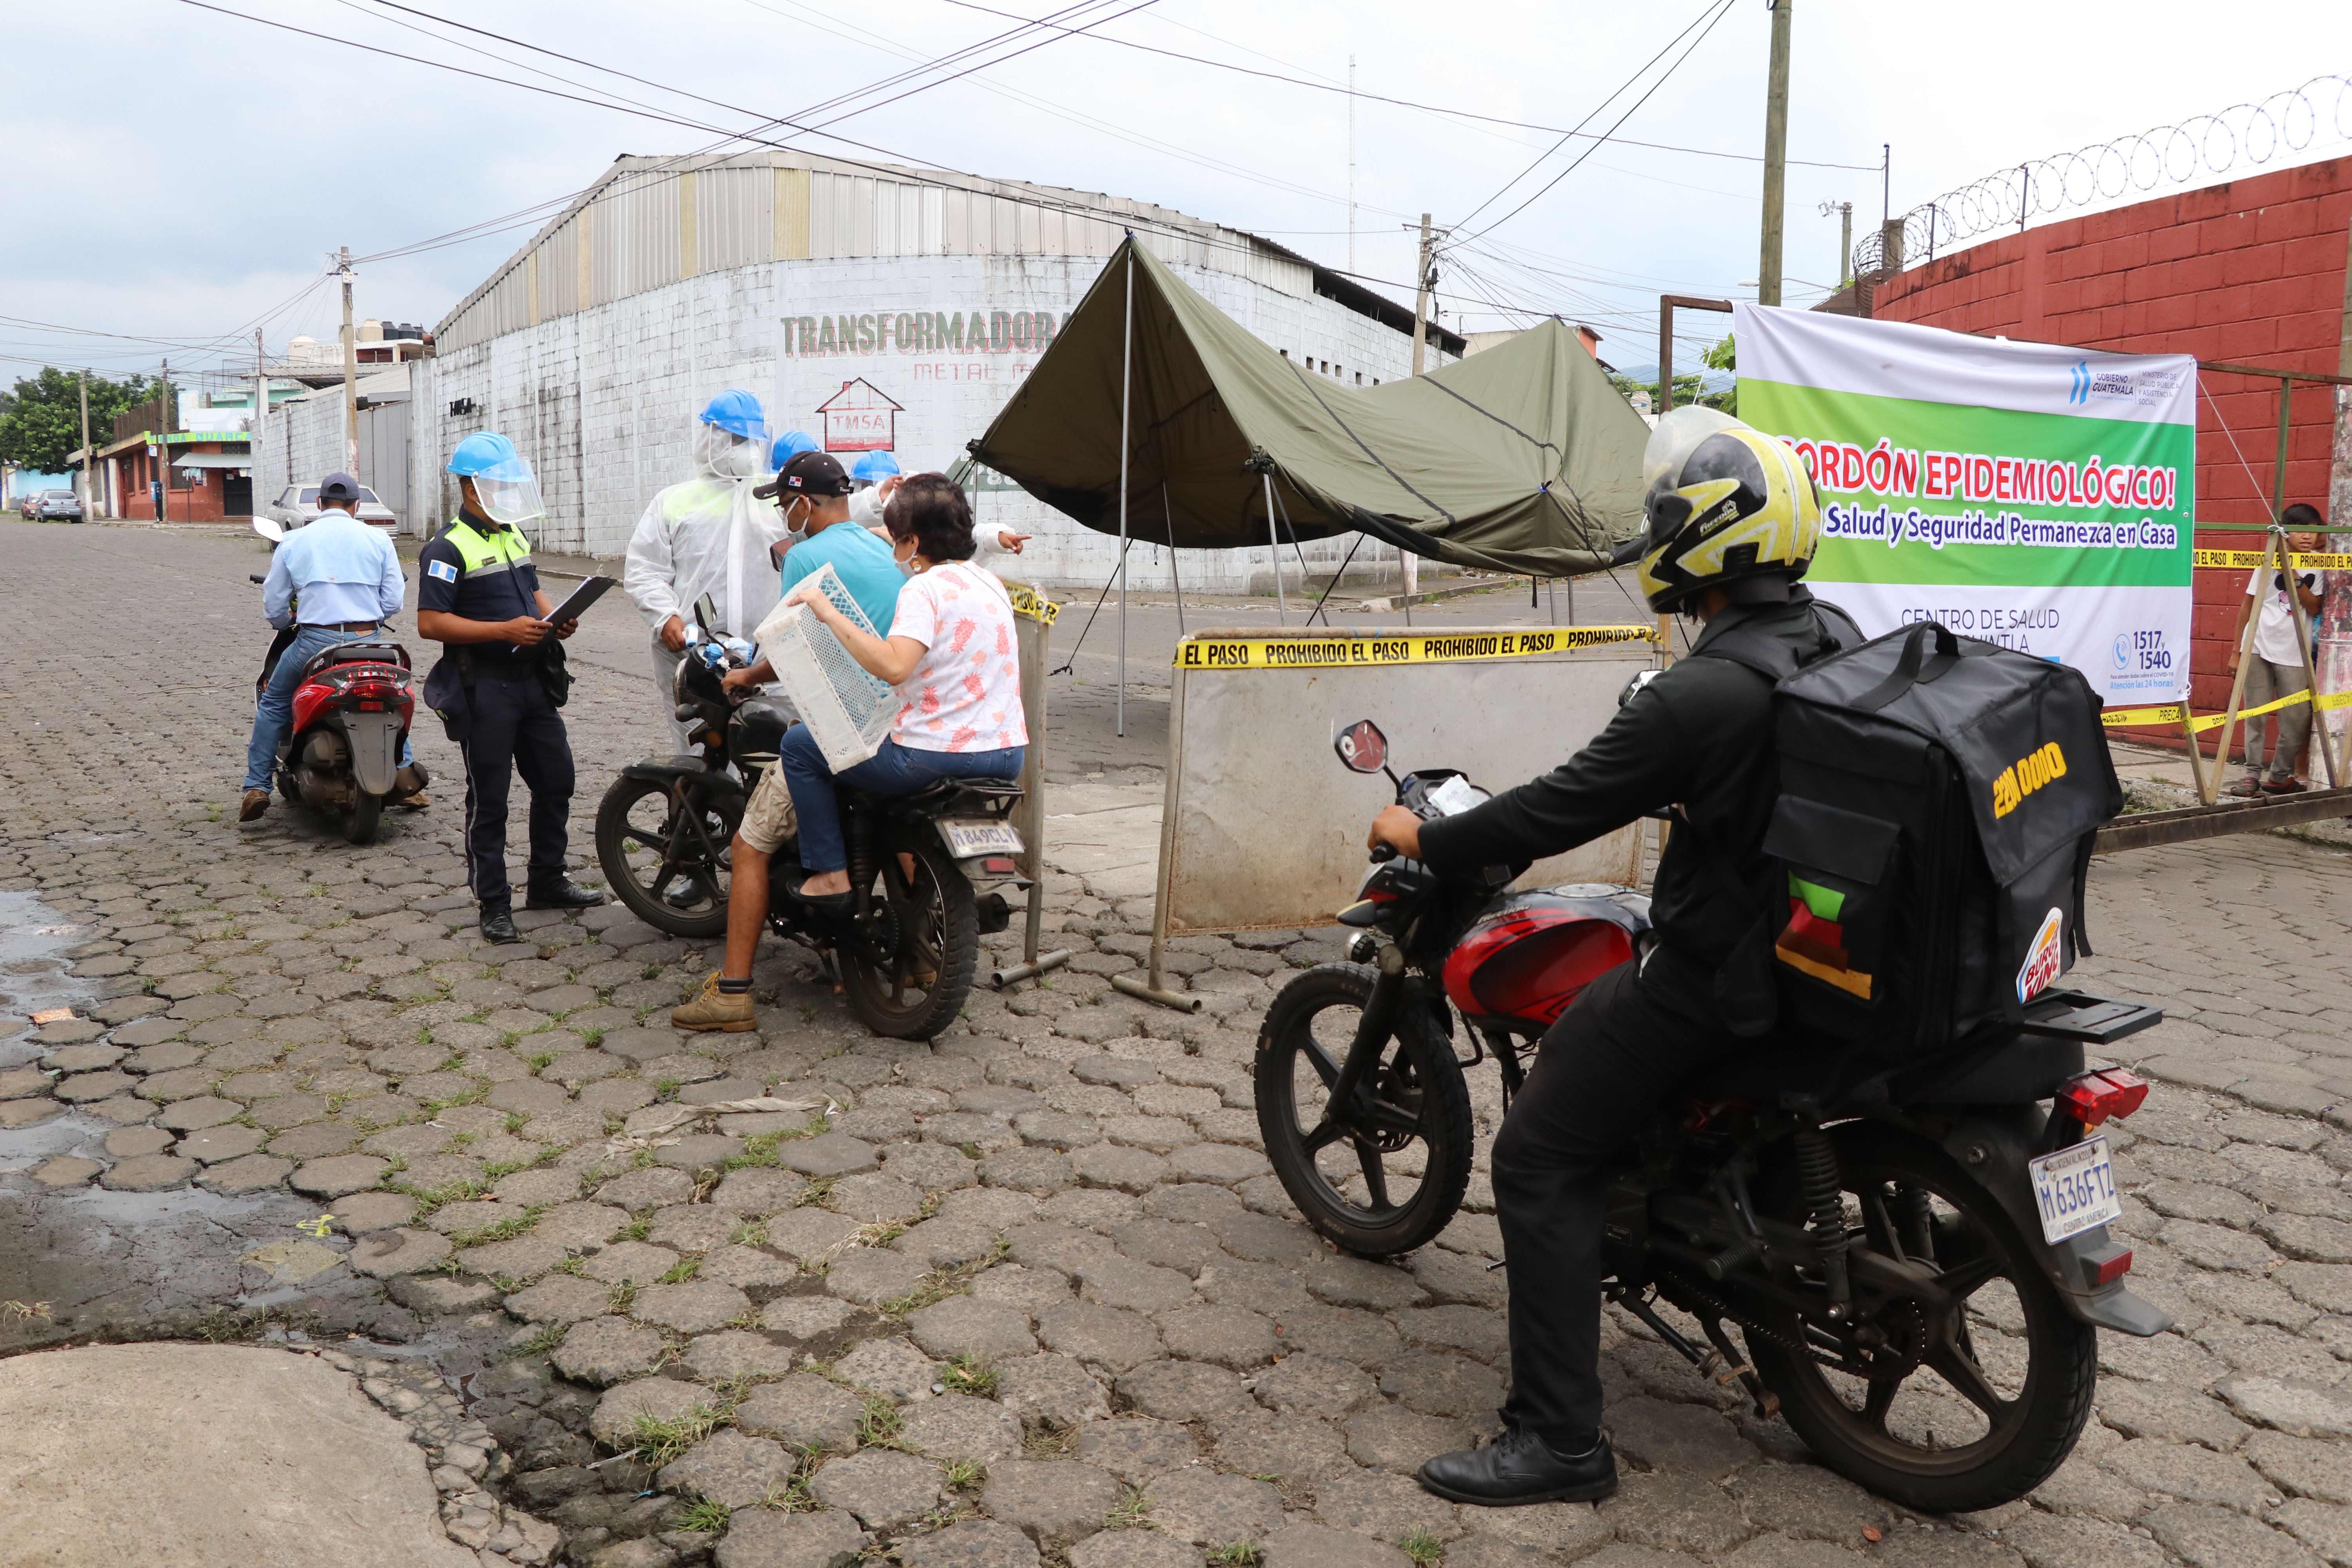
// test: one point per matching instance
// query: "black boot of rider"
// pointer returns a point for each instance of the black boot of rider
(564, 895)
(1520, 1468)
(497, 925)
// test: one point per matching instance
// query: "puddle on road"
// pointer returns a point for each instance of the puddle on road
(32, 970)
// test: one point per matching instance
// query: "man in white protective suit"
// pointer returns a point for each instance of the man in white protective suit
(707, 535)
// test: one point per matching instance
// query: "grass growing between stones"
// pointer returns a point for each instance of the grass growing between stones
(705, 1516)
(1132, 1511)
(540, 1343)
(1049, 1440)
(944, 1283)
(968, 1374)
(751, 1233)
(1237, 1554)
(503, 1230)
(431, 1199)
(657, 1440)
(684, 1269)
(1425, 1550)
(966, 1475)
(791, 1497)
(881, 1426)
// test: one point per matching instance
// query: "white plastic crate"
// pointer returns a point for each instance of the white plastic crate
(849, 710)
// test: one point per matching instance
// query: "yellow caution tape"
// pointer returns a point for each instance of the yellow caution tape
(2174, 713)
(1027, 600)
(1413, 647)
(2315, 560)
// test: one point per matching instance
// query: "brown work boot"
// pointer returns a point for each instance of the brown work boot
(714, 1009)
(257, 801)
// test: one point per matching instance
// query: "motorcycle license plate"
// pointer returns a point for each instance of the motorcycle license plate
(2075, 1189)
(968, 837)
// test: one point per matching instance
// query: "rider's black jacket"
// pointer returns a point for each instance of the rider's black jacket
(1698, 737)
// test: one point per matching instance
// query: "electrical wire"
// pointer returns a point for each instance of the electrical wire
(1408, 103)
(1721, 11)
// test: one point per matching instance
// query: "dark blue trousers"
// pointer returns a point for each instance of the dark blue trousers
(514, 728)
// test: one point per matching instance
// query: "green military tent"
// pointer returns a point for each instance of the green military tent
(1521, 460)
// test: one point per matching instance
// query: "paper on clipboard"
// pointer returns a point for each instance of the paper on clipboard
(590, 590)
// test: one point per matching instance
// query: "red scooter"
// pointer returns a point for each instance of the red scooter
(351, 713)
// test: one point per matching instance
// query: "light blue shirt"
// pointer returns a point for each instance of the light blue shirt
(343, 569)
(862, 562)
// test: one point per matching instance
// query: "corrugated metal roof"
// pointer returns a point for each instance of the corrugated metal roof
(650, 221)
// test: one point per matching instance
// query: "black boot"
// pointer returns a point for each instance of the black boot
(565, 895)
(1520, 1468)
(497, 925)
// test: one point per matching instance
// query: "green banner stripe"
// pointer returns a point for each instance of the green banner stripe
(1826, 903)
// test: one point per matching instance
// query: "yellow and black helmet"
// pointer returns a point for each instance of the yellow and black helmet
(1725, 502)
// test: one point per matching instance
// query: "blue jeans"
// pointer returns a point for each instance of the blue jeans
(892, 770)
(273, 713)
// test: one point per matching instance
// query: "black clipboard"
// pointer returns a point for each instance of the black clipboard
(590, 590)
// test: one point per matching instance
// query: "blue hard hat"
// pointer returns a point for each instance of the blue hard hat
(488, 452)
(789, 442)
(740, 411)
(874, 468)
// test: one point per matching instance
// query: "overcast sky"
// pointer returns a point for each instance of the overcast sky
(180, 174)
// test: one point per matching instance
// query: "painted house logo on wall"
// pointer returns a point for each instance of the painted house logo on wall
(860, 419)
(922, 332)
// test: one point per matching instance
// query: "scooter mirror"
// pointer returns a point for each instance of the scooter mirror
(1362, 748)
(268, 529)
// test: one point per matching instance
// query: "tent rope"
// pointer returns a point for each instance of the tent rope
(1451, 520)
(1334, 583)
(1497, 418)
(1071, 662)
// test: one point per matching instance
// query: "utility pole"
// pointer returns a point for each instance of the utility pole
(163, 481)
(1420, 296)
(1351, 163)
(1845, 239)
(87, 514)
(1776, 155)
(352, 373)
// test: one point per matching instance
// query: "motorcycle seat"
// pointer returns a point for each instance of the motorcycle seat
(2013, 1067)
(942, 789)
(356, 653)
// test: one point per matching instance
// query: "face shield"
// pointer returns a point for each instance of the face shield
(507, 492)
(721, 453)
(1678, 434)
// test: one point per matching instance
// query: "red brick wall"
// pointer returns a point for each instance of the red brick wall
(2251, 272)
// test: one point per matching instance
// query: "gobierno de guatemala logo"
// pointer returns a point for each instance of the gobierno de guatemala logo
(2147, 387)
(2080, 391)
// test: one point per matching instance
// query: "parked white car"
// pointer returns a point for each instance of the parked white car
(298, 504)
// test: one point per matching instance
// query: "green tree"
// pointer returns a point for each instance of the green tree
(40, 423)
(1690, 387)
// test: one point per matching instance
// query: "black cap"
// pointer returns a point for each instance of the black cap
(339, 487)
(808, 474)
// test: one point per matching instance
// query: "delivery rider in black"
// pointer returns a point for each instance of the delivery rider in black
(497, 688)
(1732, 523)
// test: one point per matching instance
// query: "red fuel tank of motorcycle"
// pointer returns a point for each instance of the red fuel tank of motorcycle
(1525, 958)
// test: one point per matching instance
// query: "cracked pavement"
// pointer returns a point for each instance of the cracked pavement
(1028, 1291)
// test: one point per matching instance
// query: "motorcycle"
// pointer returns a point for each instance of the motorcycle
(350, 716)
(1916, 1254)
(928, 872)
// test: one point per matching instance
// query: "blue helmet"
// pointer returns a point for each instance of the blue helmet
(789, 442)
(874, 468)
(487, 452)
(738, 411)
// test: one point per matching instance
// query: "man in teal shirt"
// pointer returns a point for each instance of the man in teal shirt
(813, 492)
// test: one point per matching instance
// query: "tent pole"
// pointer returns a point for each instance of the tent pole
(1273, 550)
(1125, 396)
(1168, 522)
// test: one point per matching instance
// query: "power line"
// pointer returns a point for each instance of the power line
(1722, 11)
(1408, 103)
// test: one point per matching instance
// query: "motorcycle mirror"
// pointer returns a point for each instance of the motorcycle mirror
(268, 529)
(706, 613)
(1362, 748)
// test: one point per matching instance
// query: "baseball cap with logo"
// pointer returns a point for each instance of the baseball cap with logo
(807, 474)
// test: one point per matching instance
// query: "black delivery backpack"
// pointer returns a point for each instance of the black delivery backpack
(1939, 797)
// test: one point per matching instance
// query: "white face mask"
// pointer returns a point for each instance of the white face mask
(796, 532)
(907, 567)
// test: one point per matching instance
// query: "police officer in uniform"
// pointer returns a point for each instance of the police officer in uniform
(500, 679)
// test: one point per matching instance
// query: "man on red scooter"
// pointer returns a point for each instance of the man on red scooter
(1733, 519)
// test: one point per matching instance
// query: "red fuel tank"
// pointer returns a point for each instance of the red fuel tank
(1527, 957)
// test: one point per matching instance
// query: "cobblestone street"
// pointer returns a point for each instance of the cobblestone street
(1027, 1294)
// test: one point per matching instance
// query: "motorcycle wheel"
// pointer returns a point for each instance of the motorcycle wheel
(936, 927)
(1378, 1195)
(361, 822)
(636, 826)
(1970, 1406)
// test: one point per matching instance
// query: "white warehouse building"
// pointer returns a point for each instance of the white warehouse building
(876, 309)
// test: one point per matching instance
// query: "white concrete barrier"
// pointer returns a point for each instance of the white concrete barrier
(1264, 829)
